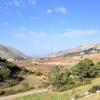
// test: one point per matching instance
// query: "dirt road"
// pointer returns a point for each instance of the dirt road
(14, 96)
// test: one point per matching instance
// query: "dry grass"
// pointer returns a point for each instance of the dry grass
(32, 81)
(67, 95)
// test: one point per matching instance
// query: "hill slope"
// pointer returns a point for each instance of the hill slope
(9, 52)
(9, 71)
(80, 50)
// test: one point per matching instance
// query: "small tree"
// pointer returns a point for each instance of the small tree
(66, 78)
(84, 69)
(97, 67)
(54, 75)
(4, 73)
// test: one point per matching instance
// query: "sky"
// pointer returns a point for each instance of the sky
(41, 27)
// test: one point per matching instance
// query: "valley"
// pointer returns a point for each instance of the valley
(36, 80)
(49, 49)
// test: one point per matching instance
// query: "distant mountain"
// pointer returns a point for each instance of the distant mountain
(8, 52)
(80, 50)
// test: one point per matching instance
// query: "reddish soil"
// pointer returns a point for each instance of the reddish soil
(94, 57)
(43, 68)
(43, 65)
(24, 63)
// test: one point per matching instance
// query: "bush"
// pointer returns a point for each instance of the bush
(25, 87)
(39, 86)
(5, 85)
(5, 73)
(54, 76)
(12, 82)
(77, 83)
(44, 84)
(65, 87)
(24, 84)
(2, 92)
(10, 91)
(62, 88)
(9, 71)
(56, 87)
(76, 96)
(84, 69)
(94, 89)
(97, 67)
(37, 73)
(23, 71)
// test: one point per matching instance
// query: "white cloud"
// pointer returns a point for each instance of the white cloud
(65, 35)
(80, 32)
(61, 10)
(20, 3)
(16, 3)
(49, 11)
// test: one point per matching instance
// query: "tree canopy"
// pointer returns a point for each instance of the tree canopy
(85, 68)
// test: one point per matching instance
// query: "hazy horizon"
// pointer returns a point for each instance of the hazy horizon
(41, 27)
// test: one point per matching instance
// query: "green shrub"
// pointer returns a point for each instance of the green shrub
(97, 67)
(94, 89)
(62, 88)
(5, 85)
(23, 71)
(2, 92)
(65, 87)
(76, 96)
(54, 76)
(4, 73)
(84, 69)
(12, 82)
(9, 71)
(10, 92)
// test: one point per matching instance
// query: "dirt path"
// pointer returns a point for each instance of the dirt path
(94, 96)
(14, 96)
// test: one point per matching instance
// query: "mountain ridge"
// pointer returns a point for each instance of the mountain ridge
(82, 49)
(8, 52)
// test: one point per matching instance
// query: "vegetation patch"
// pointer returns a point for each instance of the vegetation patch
(80, 74)
(94, 89)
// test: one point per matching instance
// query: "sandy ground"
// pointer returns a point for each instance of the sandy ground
(95, 96)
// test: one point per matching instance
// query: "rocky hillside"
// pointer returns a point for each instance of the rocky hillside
(10, 53)
(80, 50)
